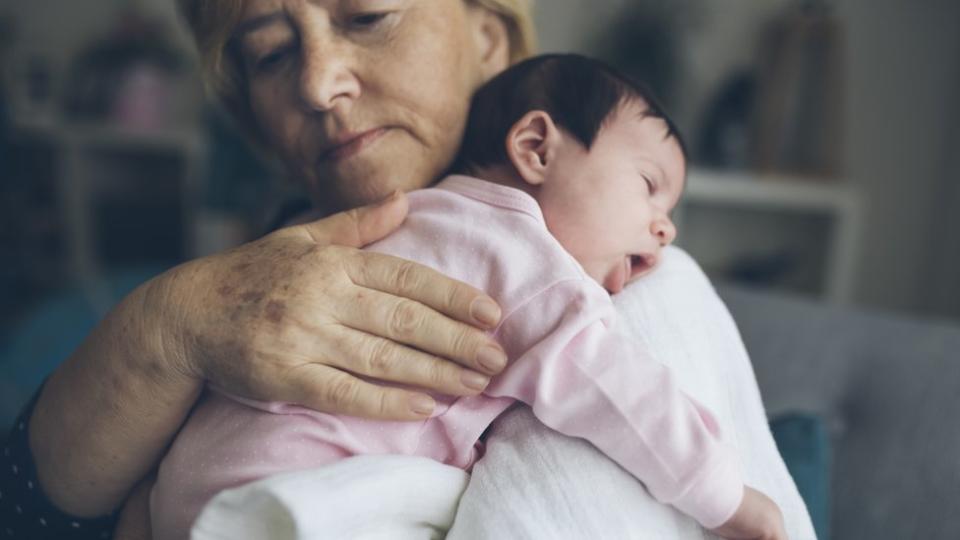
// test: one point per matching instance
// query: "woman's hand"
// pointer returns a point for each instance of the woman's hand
(297, 315)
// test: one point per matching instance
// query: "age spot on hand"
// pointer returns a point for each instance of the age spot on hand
(251, 297)
(308, 250)
(274, 311)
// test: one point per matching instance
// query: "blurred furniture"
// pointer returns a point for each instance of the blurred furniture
(798, 121)
(784, 233)
(803, 441)
(123, 196)
(889, 390)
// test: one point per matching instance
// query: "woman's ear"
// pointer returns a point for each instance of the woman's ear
(532, 144)
(492, 41)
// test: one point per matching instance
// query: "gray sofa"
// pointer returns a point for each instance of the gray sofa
(889, 390)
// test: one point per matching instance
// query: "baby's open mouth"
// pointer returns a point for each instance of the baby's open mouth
(639, 264)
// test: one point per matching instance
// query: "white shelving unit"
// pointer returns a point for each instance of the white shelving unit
(772, 199)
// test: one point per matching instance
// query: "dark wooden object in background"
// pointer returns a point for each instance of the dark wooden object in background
(798, 123)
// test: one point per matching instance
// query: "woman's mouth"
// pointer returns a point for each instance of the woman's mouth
(351, 144)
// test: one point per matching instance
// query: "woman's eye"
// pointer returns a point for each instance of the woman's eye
(367, 20)
(274, 59)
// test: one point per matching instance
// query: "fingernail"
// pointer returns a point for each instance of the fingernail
(422, 405)
(474, 380)
(492, 359)
(485, 311)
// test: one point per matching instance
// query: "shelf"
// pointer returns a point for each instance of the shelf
(726, 216)
(94, 165)
(766, 191)
(181, 139)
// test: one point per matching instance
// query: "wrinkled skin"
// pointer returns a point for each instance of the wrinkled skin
(294, 315)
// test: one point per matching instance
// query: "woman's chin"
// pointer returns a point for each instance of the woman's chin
(367, 186)
(368, 179)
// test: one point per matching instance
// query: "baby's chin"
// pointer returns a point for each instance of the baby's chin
(614, 278)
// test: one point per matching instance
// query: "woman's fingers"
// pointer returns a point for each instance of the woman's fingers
(272, 303)
(325, 388)
(360, 226)
(407, 279)
(372, 356)
(412, 323)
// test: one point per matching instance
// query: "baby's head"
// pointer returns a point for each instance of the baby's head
(593, 148)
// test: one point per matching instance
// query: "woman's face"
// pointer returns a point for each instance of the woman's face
(362, 97)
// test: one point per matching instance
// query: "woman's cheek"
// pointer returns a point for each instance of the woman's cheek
(274, 112)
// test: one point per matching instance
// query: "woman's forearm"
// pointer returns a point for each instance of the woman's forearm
(106, 415)
(293, 317)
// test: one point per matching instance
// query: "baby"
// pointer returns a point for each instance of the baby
(568, 174)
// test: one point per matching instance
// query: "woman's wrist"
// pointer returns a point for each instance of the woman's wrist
(152, 332)
(166, 308)
(107, 413)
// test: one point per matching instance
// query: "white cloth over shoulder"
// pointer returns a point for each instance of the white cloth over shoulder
(362, 497)
(535, 483)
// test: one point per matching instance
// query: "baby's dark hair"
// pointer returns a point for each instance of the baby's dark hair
(578, 93)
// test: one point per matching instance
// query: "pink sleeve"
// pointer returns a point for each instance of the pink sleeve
(585, 380)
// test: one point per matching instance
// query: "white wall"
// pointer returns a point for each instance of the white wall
(903, 62)
(942, 284)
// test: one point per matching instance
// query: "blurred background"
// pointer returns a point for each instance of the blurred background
(823, 199)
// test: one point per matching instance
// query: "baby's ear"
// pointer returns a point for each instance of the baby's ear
(531, 145)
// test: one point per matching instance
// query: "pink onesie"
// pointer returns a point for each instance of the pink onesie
(579, 377)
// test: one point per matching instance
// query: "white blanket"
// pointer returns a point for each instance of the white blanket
(533, 482)
(363, 497)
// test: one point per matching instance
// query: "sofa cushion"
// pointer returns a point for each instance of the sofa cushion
(889, 389)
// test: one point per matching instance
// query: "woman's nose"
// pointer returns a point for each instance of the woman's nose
(664, 230)
(326, 79)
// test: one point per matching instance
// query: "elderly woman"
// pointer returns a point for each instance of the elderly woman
(362, 100)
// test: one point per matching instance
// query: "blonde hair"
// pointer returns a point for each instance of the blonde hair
(518, 16)
(212, 23)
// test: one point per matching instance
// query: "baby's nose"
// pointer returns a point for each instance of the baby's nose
(664, 230)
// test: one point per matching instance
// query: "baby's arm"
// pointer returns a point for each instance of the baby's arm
(584, 380)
